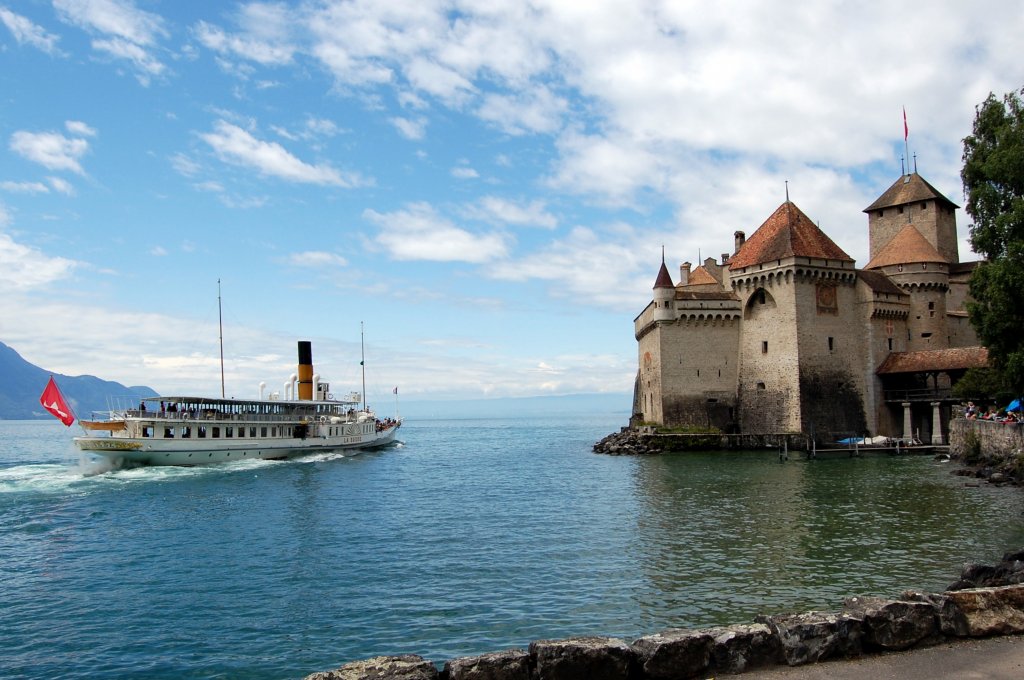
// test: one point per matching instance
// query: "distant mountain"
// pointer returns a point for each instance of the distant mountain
(21, 383)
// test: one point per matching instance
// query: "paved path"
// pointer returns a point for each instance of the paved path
(999, 658)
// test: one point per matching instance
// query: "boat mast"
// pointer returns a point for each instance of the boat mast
(362, 360)
(220, 326)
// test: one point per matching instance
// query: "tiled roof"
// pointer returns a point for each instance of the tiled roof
(664, 280)
(908, 189)
(701, 276)
(934, 360)
(787, 233)
(706, 295)
(906, 247)
(880, 283)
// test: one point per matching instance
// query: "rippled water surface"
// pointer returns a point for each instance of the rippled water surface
(472, 536)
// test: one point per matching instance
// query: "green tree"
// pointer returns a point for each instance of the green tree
(993, 177)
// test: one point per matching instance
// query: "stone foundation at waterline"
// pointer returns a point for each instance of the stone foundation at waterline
(991, 450)
(985, 601)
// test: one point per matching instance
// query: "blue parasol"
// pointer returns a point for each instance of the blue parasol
(1014, 405)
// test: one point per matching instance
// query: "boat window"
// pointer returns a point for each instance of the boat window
(273, 432)
(201, 431)
(229, 431)
(168, 433)
(252, 432)
(147, 432)
(186, 432)
(263, 431)
(216, 433)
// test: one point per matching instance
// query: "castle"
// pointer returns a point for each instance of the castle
(787, 335)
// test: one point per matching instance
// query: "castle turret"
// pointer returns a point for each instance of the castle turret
(664, 295)
(912, 200)
(913, 264)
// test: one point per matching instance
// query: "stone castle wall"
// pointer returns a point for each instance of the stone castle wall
(997, 446)
(768, 372)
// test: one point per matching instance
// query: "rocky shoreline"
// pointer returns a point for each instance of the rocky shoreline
(986, 600)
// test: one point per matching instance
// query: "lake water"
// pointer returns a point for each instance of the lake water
(472, 536)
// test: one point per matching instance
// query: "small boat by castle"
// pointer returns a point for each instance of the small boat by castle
(183, 430)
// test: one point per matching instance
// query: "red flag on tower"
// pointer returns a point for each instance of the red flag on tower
(906, 130)
(53, 401)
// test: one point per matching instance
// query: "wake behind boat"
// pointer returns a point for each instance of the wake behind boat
(182, 430)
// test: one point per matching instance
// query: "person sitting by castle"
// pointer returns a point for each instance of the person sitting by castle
(971, 412)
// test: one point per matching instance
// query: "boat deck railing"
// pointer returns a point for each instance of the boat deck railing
(220, 416)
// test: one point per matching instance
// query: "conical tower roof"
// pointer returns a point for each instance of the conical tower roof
(910, 188)
(787, 233)
(664, 279)
(907, 247)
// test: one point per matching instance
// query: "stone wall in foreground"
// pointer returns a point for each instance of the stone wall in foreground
(993, 450)
(985, 601)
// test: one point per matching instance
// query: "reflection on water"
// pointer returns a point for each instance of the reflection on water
(722, 534)
(478, 535)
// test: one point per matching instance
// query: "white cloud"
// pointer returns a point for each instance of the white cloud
(61, 186)
(268, 49)
(23, 267)
(234, 145)
(606, 271)
(77, 127)
(127, 32)
(28, 33)
(419, 233)
(24, 187)
(184, 165)
(504, 211)
(209, 186)
(316, 258)
(536, 110)
(119, 18)
(52, 150)
(124, 49)
(413, 129)
(464, 172)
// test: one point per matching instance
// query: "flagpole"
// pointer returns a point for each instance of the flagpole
(220, 326)
(906, 143)
(362, 361)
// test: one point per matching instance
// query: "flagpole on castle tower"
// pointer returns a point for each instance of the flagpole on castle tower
(906, 134)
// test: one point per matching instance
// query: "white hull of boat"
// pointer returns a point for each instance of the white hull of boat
(149, 451)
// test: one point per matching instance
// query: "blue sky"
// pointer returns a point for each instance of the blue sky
(487, 186)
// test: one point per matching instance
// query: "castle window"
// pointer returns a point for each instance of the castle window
(900, 210)
(924, 265)
(831, 344)
(926, 335)
(764, 347)
(760, 386)
(890, 344)
(931, 305)
(899, 267)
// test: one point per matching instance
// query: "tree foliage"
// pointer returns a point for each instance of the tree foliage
(993, 177)
(982, 384)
